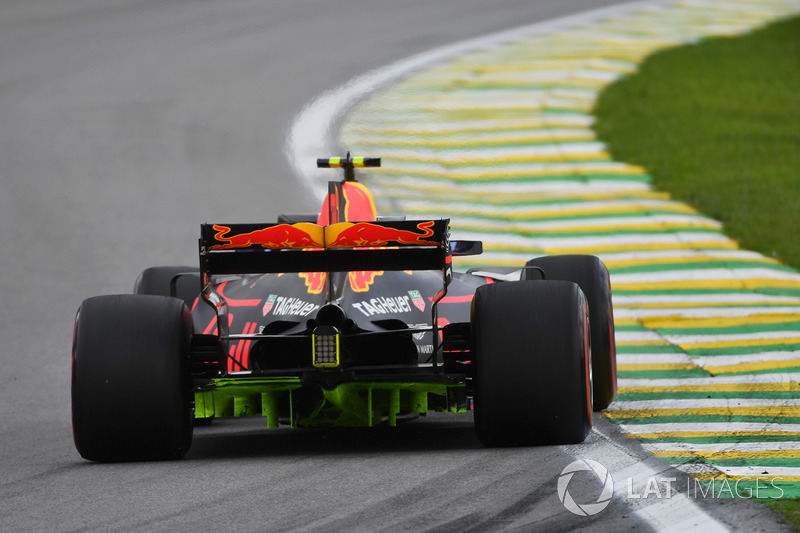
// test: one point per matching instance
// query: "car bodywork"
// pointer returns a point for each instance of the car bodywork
(342, 318)
(338, 323)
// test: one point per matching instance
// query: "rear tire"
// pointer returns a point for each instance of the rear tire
(592, 276)
(532, 382)
(131, 390)
(156, 281)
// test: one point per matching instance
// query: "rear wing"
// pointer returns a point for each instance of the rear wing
(305, 247)
(340, 247)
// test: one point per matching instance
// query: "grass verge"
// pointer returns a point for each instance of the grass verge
(717, 124)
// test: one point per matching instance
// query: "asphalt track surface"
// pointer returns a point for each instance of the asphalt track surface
(125, 124)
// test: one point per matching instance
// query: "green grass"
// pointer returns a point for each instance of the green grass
(789, 508)
(717, 124)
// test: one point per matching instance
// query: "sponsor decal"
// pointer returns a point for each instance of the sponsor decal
(360, 280)
(384, 305)
(293, 306)
(315, 281)
(419, 336)
(416, 299)
(301, 235)
(365, 234)
(268, 304)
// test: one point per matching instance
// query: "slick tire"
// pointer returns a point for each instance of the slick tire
(532, 383)
(156, 281)
(131, 391)
(592, 276)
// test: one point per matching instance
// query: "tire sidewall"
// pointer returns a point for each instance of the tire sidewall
(131, 390)
(532, 367)
(592, 276)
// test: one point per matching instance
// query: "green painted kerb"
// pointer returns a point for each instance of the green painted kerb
(356, 404)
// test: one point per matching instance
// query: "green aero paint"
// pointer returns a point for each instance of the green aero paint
(352, 404)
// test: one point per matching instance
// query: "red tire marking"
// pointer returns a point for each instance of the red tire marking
(613, 346)
(586, 362)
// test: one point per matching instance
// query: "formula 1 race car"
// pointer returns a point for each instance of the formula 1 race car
(342, 318)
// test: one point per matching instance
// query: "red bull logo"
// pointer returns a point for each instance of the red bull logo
(366, 234)
(345, 202)
(301, 235)
(315, 281)
(360, 281)
(359, 204)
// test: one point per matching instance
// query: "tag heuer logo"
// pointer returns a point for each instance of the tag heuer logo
(416, 299)
(268, 304)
